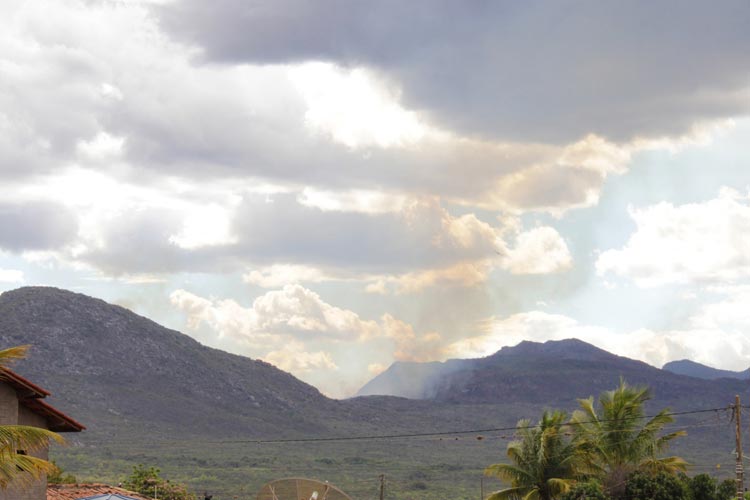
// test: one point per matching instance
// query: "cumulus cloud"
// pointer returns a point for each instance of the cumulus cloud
(477, 68)
(293, 310)
(695, 243)
(538, 251)
(282, 322)
(293, 358)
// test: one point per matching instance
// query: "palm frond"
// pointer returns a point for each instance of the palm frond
(8, 356)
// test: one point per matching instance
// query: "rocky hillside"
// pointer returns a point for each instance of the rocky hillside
(113, 369)
(554, 373)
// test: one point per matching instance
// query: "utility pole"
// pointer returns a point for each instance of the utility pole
(382, 486)
(738, 436)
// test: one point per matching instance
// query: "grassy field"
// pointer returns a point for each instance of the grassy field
(414, 468)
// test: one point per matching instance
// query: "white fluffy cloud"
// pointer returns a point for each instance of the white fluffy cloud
(294, 359)
(694, 243)
(292, 311)
(538, 251)
(282, 324)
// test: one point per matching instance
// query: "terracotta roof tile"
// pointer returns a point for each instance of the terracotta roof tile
(77, 491)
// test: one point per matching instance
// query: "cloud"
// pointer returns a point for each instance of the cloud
(695, 243)
(283, 322)
(293, 311)
(294, 359)
(11, 276)
(354, 108)
(279, 275)
(36, 226)
(538, 251)
(142, 110)
(506, 70)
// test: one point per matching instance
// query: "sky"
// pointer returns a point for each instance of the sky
(337, 185)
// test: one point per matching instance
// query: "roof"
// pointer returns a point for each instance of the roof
(30, 395)
(90, 491)
(109, 496)
(57, 420)
(24, 387)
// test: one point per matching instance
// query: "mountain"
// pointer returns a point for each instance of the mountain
(113, 369)
(693, 369)
(152, 395)
(553, 373)
(124, 375)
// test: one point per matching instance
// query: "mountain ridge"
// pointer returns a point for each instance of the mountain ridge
(698, 370)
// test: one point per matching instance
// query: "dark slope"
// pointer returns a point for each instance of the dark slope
(555, 373)
(693, 369)
(112, 368)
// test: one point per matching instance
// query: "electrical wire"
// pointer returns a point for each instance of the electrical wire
(433, 434)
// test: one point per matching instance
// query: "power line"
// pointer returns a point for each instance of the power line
(374, 437)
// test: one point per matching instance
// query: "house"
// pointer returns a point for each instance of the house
(21, 403)
(78, 491)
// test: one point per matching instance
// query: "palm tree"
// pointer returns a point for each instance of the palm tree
(620, 439)
(14, 466)
(544, 462)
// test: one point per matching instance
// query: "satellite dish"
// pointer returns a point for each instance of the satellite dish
(300, 489)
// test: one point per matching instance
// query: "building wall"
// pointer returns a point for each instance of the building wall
(12, 413)
(8, 405)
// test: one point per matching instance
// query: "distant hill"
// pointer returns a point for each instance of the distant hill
(693, 369)
(553, 373)
(124, 375)
(115, 370)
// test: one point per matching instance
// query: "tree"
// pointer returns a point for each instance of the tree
(660, 486)
(618, 440)
(544, 462)
(726, 490)
(58, 476)
(148, 481)
(586, 490)
(18, 442)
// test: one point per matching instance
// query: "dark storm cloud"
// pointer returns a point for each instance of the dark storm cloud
(550, 71)
(35, 226)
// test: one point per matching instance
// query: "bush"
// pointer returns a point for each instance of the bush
(59, 476)
(589, 490)
(661, 486)
(147, 481)
(703, 487)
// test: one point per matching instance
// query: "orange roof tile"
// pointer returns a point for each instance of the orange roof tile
(76, 491)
